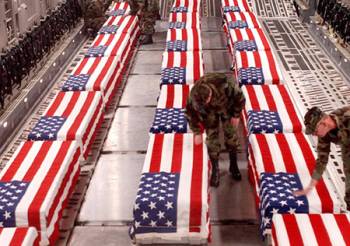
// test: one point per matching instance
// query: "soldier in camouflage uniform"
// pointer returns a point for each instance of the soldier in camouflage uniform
(213, 99)
(330, 128)
(148, 10)
(94, 15)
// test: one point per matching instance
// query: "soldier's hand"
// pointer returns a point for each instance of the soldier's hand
(198, 139)
(234, 122)
(306, 191)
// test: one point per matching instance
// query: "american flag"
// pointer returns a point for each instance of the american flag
(261, 59)
(250, 76)
(276, 196)
(103, 74)
(96, 51)
(192, 61)
(44, 174)
(237, 24)
(231, 9)
(190, 20)
(174, 156)
(245, 45)
(113, 45)
(273, 98)
(242, 4)
(264, 121)
(192, 37)
(173, 96)
(256, 34)
(18, 236)
(126, 24)
(180, 9)
(119, 8)
(81, 112)
(173, 75)
(177, 25)
(76, 82)
(176, 45)
(248, 17)
(190, 5)
(169, 120)
(311, 229)
(112, 29)
(291, 153)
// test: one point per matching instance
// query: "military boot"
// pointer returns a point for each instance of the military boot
(147, 39)
(215, 178)
(236, 175)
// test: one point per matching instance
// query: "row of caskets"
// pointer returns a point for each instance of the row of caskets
(172, 201)
(281, 157)
(37, 181)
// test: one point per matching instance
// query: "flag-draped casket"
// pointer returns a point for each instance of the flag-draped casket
(95, 74)
(71, 116)
(121, 24)
(311, 229)
(257, 67)
(172, 201)
(118, 9)
(181, 67)
(291, 159)
(184, 21)
(235, 20)
(247, 40)
(187, 6)
(173, 96)
(270, 109)
(235, 6)
(24, 236)
(170, 120)
(183, 40)
(36, 183)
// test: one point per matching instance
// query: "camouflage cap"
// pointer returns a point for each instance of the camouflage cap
(311, 118)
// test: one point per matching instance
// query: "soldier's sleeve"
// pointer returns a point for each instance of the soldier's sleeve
(192, 117)
(237, 100)
(134, 7)
(323, 149)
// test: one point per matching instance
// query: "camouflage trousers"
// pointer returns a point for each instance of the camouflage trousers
(94, 24)
(213, 141)
(147, 23)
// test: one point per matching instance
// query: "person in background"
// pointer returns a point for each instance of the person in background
(215, 98)
(329, 128)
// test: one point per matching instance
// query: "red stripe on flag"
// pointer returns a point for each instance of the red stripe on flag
(156, 153)
(177, 153)
(238, 33)
(14, 166)
(265, 153)
(263, 39)
(292, 230)
(121, 38)
(79, 118)
(37, 161)
(102, 74)
(170, 94)
(297, 127)
(274, 237)
(94, 65)
(326, 200)
(56, 103)
(196, 188)
(344, 227)
(185, 93)
(244, 59)
(171, 59)
(172, 34)
(81, 66)
(272, 66)
(257, 59)
(286, 153)
(111, 20)
(319, 229)
(18, 236)
(72, 102)
(183, 59)
(253, 18)
(269, 98)
(252, 97)
(34, 207)
(196, 65)
(98, 40)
